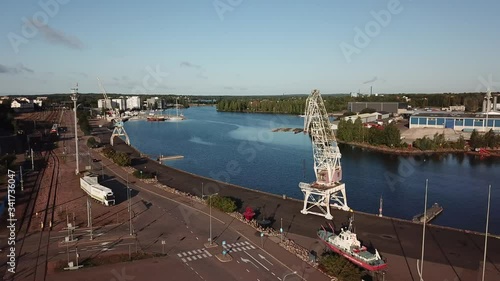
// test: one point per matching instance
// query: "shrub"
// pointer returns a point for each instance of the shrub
(92, 143)
(109, 152)
(122, 159)
(339, 267)
(224, 204)
(143, 175)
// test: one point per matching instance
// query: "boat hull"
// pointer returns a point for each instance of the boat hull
(353, 259)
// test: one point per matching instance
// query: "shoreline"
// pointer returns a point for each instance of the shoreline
(406, 152)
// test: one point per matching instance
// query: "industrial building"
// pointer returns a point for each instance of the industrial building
(459, 122)
(391, 107)
(467, 122)
(368, 117)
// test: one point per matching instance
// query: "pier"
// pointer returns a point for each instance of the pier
(431, 213)
(173, 157)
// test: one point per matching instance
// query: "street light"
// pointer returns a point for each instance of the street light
(210, 205)
(74, 98)
(291, 273)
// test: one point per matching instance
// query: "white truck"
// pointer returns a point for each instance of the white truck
(91, 186)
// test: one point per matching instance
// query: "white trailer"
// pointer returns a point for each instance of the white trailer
(91, 186)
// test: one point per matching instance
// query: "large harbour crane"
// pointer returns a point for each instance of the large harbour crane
(327, 188)
(118, 129)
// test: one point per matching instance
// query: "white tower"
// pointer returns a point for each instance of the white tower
(327, 188)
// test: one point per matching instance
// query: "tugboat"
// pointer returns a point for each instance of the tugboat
(347, 245)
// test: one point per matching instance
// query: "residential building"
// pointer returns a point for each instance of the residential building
(133, 102)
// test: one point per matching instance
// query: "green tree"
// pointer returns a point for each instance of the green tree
(392, 136)
(339, 267)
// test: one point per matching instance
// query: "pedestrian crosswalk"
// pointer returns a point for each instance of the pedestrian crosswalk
(239, 246)
(194, 255)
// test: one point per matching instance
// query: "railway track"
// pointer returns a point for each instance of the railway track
(39, 214)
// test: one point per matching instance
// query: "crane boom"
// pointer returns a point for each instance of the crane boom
(326, 154)
(325, 150)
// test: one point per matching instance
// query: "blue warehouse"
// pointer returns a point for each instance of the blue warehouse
(481, 122)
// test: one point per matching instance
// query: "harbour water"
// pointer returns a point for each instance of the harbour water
(242, 149)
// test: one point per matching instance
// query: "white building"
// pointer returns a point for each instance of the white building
(22, 104)
(368, 117)
(133, 102)
(103, 103)
(119, 103)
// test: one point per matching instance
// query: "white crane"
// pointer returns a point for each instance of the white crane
(118, 130)
(328, 187)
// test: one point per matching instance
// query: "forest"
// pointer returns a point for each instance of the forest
(334, 103)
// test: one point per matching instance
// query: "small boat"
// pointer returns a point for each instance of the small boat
(156, 118)
(347, 245)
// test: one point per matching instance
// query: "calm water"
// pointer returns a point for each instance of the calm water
(241, 149)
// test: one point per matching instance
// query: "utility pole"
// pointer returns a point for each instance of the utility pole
(486, 233)
(421, 272)
(74, 98)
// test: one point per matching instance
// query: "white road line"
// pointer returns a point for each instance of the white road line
(256, 261)
(194, 257)
(278, 278)
(264, 258)
(251, 246)
(273, 274)
(204, 255)
(188, 258)
(179, 255)
(248, 271)
(189, 253)
(208, 253)
(183, 260)
(199, 256)
(184, 254)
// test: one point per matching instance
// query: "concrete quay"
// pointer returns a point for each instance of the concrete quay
(449, 253)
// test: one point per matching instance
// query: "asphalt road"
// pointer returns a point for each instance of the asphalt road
(451, 247)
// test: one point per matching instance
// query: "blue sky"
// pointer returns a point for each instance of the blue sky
(249, 47)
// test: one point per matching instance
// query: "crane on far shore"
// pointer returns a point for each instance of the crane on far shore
(118, 129)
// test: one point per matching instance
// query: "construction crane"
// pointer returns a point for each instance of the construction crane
(327, 188)
(118, 129)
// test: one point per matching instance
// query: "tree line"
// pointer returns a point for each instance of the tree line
(333, 103)
(349, 131)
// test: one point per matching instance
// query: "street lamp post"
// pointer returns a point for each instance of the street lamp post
(210, 207)
(291, 273)
(486, 233)
(421, 269)
(74, 98)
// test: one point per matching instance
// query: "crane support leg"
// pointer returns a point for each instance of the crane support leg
(323, 199)
(118, 131)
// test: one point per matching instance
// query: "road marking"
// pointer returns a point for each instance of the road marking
(264, 258)
(183, 260)
(199, 256)
(188, 258)
(246, 260)
(189, 253)
(204, 255)
(248, 271)
(179, 255)
(208, 253)
(273, 273)
(193, 257)
(256, 261)
(278, 277)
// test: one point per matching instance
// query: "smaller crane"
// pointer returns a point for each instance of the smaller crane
(118, 130)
